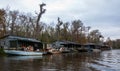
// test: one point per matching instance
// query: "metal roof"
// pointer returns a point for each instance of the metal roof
(21, 38)
(66, 43)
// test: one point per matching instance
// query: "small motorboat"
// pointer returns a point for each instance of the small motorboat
(23, 53)
(54, 51)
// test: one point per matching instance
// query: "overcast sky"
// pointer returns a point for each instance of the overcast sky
(99, 14)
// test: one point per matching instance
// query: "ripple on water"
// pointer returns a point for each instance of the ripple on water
(109, 61)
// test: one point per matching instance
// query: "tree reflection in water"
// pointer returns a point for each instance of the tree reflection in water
(55, 62)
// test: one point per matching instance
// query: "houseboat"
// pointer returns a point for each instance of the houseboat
(16, 45)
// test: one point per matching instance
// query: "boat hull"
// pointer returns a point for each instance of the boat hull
(54, 51)
(23, 53)
(96, 50)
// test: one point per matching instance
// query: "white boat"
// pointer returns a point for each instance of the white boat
(64, 50)
(96, 50)
(54, 51)
(23, 53)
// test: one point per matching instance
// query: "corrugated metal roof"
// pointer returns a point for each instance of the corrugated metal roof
(66, 43)
(21, 38)
(91, 44)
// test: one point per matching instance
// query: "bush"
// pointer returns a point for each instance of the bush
(2, 53)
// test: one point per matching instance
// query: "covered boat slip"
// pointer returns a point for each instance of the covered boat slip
(71, 46)
(18, 43)
(21, 46)
(92, 47)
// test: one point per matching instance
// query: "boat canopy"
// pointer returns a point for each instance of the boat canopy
(23, 39)
(68, 44)
(18, 42)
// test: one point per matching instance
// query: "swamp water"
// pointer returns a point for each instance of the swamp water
(103, 61)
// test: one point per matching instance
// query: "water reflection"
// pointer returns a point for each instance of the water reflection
(23, 57)
(70, 62)
(109, 61)
(59, 62)
(105, 61)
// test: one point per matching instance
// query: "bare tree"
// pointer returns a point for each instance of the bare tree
(87, 29)
(64, 31)
(13, 23)
(41, 12)
(76, 28)
(109, 42)
(58, 28)
(2, 22)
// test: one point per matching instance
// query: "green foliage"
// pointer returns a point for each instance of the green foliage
(2, 53)
(95, 36)
(114, 43)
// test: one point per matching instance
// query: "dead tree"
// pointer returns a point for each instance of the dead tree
(58, 28)
(42, 11)
(2, 22)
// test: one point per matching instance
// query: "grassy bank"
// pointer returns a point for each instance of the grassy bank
(2, 53)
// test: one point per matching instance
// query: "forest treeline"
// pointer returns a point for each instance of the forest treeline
(27, 25)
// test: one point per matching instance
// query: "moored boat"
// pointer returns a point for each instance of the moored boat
(23, 53)
(16, 45)
(64, 50)
(96, 50)
(54, 51)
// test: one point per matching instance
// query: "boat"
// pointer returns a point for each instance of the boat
(54, 51)
(96, 50)
(64, 50)
(23, 53)
(16, 45)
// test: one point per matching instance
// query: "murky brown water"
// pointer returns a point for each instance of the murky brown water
(103, 61)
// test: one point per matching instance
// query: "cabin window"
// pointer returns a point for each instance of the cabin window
(13, 44)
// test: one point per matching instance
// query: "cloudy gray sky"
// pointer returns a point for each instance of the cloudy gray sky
(99, 14)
